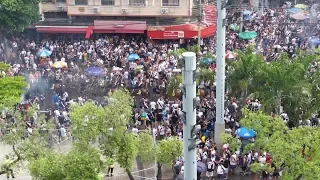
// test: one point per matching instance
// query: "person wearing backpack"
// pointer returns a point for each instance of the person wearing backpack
(220, 171)
(210, 168)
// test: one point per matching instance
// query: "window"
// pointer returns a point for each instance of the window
(107, 2)
(81, 2)
(170, 2)
(137, 2)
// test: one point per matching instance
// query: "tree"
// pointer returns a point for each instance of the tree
(242, 72)
(233, 142)
(109, 125)
(300, 159)
(146, 151)
(295, 151)
(168, 150)
(15, 15)
(11, 88)
(263, 125)
(282, 79)
(79, 164)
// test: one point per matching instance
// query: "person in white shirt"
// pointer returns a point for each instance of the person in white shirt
(135, 130)
(160, 103)
(153, 105)
(220, 171)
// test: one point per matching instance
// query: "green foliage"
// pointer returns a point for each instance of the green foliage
(10, 90)
(82, 164)
(127, 150)
(233, 142)
(285, 145)
(263, 125)
(168, 150)
(4, 67)
(146, 147)
(292, 141)
(205, 74)
(174, 83)
(177, 53)
(15, 15)
(48, 167)
(195, 48)
(77, 164)
(109, 124)
(242, 72)
(257, 168)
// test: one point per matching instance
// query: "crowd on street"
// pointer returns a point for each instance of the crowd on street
(53, 77)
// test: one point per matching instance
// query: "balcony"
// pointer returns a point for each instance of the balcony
(53, 6)
(148, 8)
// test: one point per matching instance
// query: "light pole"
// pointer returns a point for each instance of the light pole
(220, 72)
(188, 116)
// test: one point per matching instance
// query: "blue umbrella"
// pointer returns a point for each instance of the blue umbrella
(246, 12)
(206, 61)
(201, 167)
(94, 71)
(133, 57)
(315, 41)
(294, 10)
(44, 53)
(245, 133)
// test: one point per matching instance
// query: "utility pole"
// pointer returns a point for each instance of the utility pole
(220, 71)
(199, 23)
(188, 116)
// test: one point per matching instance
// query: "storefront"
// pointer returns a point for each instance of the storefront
(184, 31)
(118, 27)
(86, 30)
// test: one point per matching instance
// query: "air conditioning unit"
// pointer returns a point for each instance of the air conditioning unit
(96, 9)
(124, 10)
(61, 8)
(42, 17)
(164, 10)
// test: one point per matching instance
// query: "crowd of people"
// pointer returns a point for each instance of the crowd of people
(147, 76)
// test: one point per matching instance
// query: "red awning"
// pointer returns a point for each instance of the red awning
(184, 31)
(89, 32)
(136, 27)
(63, 29)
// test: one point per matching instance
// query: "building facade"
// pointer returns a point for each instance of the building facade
(119, 8)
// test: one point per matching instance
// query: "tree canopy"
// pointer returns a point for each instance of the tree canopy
(295, 151)
(15, 15)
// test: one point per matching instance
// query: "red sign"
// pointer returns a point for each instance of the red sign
(175, 34)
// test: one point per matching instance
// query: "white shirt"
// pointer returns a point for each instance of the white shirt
(135, 130)
(153, 105)
(160, 104)
(220, 170)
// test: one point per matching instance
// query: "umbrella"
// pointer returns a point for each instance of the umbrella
(301, 6)
(248, 35)
(44, 53)
(206, 61)
(315, 41)
(232, 27)
(299, 16)
(230, 55)
(294, 10)
(94, 71)
(246, 12)
(245, 133)
(60, 64)
(133, 57)
(201, 167)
